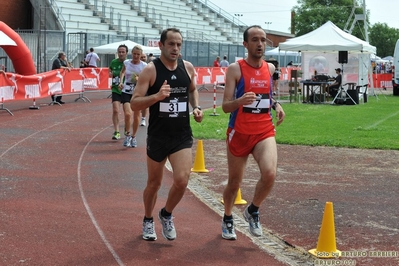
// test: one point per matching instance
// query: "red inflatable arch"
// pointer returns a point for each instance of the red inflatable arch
(20, 55)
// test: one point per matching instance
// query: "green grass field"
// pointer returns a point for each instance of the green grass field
(373, 125)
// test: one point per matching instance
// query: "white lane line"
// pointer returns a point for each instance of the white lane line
(382, 120)
(27, 137)
(88, 210)
(86, 204)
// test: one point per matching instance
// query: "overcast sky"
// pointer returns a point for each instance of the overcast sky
(276, 14)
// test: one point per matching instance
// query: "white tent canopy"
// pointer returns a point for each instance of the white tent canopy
(112, 48)
(322, 46)
(5, 40)
(328, 38)
(276, 52)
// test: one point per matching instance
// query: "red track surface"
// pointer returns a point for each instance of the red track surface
(71, 196)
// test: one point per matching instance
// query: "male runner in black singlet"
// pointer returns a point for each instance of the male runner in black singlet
(167, 86)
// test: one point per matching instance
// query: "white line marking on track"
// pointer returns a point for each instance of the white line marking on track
(382, 120)
(89, 212)
(27, 137)
(86, 204)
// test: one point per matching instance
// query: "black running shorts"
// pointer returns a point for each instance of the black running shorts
(159, 147)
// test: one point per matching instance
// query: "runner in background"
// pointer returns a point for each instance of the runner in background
(128, 79)
(114, 71)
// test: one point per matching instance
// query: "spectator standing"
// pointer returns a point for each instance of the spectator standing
(167, 86)
(216, 62)
(151, 57)
(83, 63)
(250, 123)
(224, 62)
(114, 72)
(128, 79)
(60, 62)
(92, 58)
(276, 77)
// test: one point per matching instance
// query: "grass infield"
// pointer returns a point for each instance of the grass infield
(373, 125)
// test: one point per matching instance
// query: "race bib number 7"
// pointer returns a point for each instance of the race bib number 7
(260, 106)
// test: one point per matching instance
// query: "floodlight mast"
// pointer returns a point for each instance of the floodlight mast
(357, 17)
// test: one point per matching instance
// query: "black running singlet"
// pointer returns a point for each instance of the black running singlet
(170, 116)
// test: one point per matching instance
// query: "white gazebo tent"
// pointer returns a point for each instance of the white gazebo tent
(323, 45)
(112, 48)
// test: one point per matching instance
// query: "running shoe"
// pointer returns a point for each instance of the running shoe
(116, 135)
(142, 123)
(133, 142)
(255, 228)
(228, 231)
(168, 227)
(128, 141)
(149, 231)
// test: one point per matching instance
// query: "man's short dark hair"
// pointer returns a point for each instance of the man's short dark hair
(165, 33)
(124, 45)
(245, 35)
(91, 49)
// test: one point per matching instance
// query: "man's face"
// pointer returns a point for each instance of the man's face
(122, 53)
(256, 44)
(143, 57)
(172, 46)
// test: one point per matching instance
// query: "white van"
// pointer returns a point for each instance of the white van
(395, 76)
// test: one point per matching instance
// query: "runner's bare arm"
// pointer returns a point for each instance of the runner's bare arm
(121, 76)
(272, 68)
(193, 92)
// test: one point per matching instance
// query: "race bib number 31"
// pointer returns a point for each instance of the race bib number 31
(173, 107)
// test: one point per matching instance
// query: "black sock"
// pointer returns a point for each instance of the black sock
(227, 218)
(252, 208)
(164, 213)
(148, 219)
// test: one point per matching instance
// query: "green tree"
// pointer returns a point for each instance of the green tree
(383, 38)
(311, 14)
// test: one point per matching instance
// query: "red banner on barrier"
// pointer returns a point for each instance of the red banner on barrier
(210, 75)
(59, 81)
(382, 80)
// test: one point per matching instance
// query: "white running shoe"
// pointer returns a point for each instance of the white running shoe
(127, 141)
(149, 231)
(168, 227)
(142, 123)
(133, 142)
(255, 228)
(228, 231)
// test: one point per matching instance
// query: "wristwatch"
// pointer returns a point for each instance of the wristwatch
(275, 104)
(197, 107)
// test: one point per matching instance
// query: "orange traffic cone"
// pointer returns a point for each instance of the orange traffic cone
(326, 245)
(199, 162)
(238, 200)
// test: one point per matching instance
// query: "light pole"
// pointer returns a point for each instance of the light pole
(268, 23)
(238, 15)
